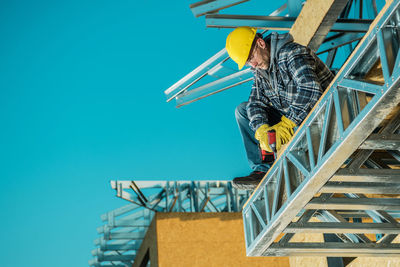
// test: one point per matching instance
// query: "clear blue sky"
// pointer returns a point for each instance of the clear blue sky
(82, 103)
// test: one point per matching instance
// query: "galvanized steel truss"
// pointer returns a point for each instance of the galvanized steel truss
(125, 227)
(218, 73)
(344, 146)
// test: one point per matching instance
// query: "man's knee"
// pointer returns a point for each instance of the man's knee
(241, 111)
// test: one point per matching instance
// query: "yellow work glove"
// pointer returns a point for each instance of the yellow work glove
(284, 131)
(262, 136)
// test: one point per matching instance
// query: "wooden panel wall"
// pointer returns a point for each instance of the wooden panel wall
(205, 239)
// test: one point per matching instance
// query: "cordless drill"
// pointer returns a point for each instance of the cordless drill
(269, 157)
(272, 141)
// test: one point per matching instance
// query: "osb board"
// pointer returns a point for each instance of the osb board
(149, 244)
(308, 261)
(377, 261)
(309, 20)
(205, 239)
(375, 74)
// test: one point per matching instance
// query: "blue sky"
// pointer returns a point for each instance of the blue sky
(82, 102)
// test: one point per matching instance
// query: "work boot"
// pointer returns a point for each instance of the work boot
(249, 182)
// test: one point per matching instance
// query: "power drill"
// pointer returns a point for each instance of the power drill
(272, 141)
(269, 157)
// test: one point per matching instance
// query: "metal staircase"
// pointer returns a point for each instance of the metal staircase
(342, 165)
(125, 228)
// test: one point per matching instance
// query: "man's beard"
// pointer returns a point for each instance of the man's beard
(264, 65)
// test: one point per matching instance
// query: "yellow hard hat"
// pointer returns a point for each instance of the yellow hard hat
(238, 44)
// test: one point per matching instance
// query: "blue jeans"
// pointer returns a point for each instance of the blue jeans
(250, 142)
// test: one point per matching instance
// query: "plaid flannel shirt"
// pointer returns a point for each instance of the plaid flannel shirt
(301, 77)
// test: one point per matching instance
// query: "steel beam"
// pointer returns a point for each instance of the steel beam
(130, 236)
(279, 23)
(334, 249)
(116, 257)
(333, 216)
(307, 215)
(334, 227)
(134, 246)
(212, 6)
(214, 87)
(362, 214)
(194, 76)
(361, 188)
(382, 141)
(367, 175)
(338, 40)
(354, 204)
(259, 22)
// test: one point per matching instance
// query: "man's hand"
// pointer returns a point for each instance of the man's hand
(262, 137)
(284, 131)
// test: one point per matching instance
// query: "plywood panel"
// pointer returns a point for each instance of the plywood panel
(206, 239)
(315, 21)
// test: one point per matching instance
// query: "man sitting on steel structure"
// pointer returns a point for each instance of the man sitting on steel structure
(288, 80)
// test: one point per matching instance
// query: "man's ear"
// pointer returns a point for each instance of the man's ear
(261, 43)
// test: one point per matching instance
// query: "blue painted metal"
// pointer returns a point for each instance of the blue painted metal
(278, 177)
(259, 22)
(351, 25)
(297, 164)
(326, 216)
(383, 55)
(338, 111)
(267, 205)
(325, 128)
(342, 131)
(279, 23)
(339, 40)
(211, 6)
(310, 148)
(286, 175)
(360, 86)
(125, 227)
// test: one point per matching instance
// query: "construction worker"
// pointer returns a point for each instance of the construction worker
(288, 81)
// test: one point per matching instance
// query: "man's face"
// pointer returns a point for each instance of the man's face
(259, 57)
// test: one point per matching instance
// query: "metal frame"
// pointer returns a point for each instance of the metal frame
(125, 227)
(340, 123)
(279, 23)
(222, 75)
(219, 73)
(211, 6)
